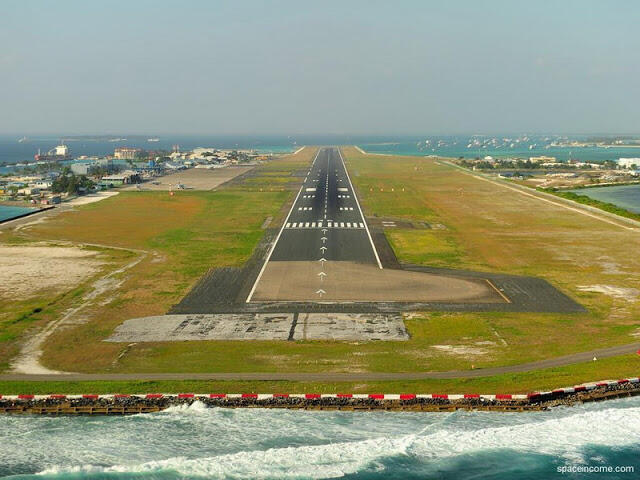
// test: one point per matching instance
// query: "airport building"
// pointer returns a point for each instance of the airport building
(123, 178)
(542, 159)
(126, 153)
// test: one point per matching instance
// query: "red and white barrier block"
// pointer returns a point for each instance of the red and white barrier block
(501, 397)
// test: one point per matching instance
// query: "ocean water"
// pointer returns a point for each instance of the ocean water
(624, 196)
(196, 442)
(8, 212)
(457, 146)
(12, 151)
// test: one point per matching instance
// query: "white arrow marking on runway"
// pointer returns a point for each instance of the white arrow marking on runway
(322, 260)
(323, 249)
(324, 239)
(322, 275)
(324, 230)
(321, 292)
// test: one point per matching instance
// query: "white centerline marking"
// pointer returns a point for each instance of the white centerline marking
(273, 246)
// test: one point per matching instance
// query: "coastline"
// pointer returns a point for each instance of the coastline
(36, 210)
(126, 404)
(550, 197)
(507, 380)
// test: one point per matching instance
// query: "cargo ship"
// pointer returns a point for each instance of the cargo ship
(61, 152)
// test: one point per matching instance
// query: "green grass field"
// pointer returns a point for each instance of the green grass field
(479, 226)
(610, 368)
(184, 235)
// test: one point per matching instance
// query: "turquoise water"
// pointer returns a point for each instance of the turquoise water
(456, 146)
(196, 442)
(12, 151)
(624, 196)
(7, 212)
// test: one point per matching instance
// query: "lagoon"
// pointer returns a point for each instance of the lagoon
(623, 196)
(7, 212)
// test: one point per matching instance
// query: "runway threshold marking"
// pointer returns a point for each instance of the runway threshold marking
(355, 197)
(273, 245)
(497, 290)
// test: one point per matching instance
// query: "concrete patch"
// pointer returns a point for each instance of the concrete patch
(258, 326)
(192, 179)
(350, 327)
(243, 326)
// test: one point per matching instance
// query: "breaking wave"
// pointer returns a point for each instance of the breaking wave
(196, 441)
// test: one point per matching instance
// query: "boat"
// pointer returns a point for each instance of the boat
(153, 139)
(22, 140)
(61, 152)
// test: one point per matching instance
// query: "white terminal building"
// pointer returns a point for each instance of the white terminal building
(629, 163)
(542, 159)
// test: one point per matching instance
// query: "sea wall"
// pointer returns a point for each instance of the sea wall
(119, 404)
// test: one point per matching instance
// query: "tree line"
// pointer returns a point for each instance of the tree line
(68, 182)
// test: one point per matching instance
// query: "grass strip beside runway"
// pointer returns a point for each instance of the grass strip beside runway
(612, 368)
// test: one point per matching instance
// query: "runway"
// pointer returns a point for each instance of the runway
(324, 252)
(326, 220)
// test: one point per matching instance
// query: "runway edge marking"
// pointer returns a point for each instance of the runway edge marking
(273, 246)
(355, 197)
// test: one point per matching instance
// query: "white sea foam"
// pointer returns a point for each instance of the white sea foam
(196, 408)
(561, 433)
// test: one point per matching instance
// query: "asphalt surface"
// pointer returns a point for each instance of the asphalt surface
(326, 208)
(325, 222)
(340, 377)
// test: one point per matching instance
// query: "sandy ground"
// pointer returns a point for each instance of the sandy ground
(257, 326)
(28, 360)
(25, 271)
(461, 350)
(92, 198)
(193, 179)
(629, 294)
(350, 281)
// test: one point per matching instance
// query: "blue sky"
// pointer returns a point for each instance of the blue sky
(286, 67)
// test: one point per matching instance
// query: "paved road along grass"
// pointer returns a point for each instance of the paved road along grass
(474, 224)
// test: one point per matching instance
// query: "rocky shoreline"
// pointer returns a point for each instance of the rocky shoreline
(132, 404)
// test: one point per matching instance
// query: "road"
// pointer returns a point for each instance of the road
(339, 377)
